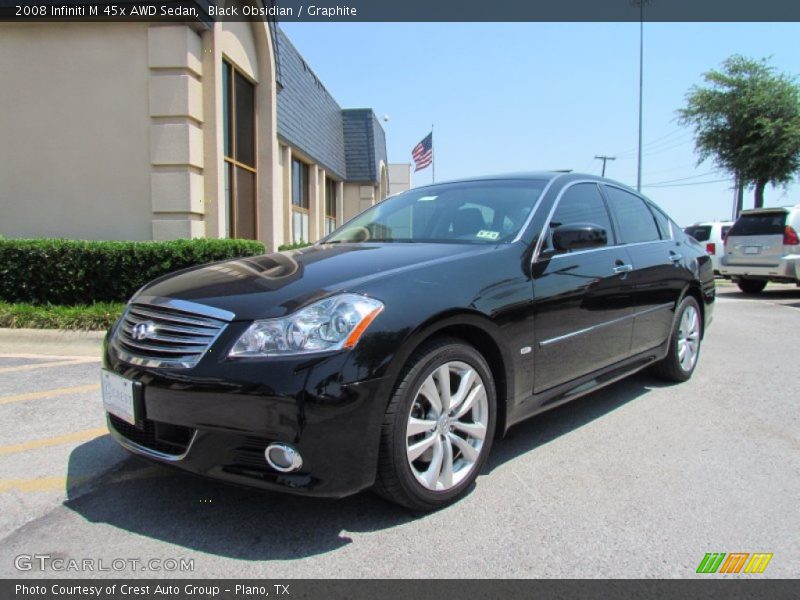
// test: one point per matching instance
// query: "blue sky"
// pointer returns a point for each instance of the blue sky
(523, 96)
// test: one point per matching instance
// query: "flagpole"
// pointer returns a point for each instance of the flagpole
(433, 159)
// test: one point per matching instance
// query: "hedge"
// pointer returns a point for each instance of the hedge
(294, 246)
(93, 317)
(69, 272)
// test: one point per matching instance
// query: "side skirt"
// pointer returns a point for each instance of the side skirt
(538, 403)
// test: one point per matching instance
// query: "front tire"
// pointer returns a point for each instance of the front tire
(438, 428)
(752, 286)
(684, 344)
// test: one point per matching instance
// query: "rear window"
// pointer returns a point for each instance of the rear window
(759, 224)
(701, 233)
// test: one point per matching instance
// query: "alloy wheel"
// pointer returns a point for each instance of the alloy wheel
(447, 426)
(688, 338)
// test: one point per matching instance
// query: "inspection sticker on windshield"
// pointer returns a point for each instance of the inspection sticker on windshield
(485, 234)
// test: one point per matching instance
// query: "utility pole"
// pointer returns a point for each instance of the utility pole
(640, 4)
(604, 159)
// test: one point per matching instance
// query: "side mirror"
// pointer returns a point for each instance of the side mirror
(578, 236)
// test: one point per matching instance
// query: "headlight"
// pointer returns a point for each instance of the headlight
(329, 324)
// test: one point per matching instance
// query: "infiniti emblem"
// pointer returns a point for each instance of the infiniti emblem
(143, 330)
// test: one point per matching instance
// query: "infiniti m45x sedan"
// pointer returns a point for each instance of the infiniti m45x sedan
(392, 353)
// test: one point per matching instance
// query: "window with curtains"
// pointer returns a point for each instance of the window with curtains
(300, 203)
(239, 139)
(330, 205)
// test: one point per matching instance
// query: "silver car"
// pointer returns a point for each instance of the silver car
(763, 245)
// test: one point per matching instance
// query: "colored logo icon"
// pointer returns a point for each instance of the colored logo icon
(735, 562)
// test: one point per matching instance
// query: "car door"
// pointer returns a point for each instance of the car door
(658, 276)
(581, 306)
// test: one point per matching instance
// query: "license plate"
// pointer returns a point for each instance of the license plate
(752, 249)
(118, 396)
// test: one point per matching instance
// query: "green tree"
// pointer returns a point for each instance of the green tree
(747, 119)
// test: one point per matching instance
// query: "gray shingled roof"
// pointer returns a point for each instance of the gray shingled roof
(349, 143)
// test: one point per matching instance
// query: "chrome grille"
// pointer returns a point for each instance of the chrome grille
(161, 332)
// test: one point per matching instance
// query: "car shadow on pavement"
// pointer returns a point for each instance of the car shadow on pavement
(561, 420)
(171, 506)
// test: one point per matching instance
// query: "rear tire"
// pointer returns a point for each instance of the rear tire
(435, 439)
(684, 344)
(752, 286)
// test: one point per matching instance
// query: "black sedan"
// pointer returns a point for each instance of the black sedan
(393, 352)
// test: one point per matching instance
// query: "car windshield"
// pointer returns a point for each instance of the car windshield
(699, 232)
(759, 224)
(475, 212)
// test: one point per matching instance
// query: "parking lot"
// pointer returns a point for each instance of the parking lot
(638, 480)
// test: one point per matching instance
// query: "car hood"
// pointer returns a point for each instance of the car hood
(274, 285)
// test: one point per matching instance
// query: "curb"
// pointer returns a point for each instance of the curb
(51, 342)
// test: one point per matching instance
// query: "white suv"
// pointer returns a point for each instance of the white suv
(712, 236)
(763, 245)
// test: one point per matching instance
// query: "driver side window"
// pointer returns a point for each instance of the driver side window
(581, 203)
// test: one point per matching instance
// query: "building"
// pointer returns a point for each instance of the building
(399, 178)
(144, 131)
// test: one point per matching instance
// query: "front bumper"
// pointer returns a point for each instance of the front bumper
(787, 269)
(217, 418)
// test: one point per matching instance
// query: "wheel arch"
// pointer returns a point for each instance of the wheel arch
(694, 290)
(479, 332)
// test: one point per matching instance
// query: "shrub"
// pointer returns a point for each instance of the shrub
(56, 271)
(93, 317)
(294, 246)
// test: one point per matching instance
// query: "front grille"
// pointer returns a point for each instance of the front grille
(250, 455)
(173, 337)
(160, 437)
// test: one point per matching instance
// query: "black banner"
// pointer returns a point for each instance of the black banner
(404, 10)
(341, 589)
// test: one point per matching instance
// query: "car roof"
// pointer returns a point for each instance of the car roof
(707, 223)
(532, 176)
(769, 209)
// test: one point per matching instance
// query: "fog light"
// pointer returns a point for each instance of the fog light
(283, 458)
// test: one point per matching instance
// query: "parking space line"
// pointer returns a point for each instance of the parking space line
(49, 393)
(78, 436)
(39, 484)
(50, 483)
(58, 363)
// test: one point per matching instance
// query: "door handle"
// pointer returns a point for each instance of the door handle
(675, 257)
(619, 269)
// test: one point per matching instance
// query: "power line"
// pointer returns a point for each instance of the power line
(675, 135)
(675, 143)
(687, 184)
(684, 178)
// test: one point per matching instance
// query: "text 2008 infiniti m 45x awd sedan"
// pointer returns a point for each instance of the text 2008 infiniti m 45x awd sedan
(391, 353)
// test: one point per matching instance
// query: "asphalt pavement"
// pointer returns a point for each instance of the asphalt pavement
(638, 480)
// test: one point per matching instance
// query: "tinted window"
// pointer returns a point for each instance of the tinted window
(477, 212)
(662, 221)
(299, 179)
(725, 230)
(699, 232)
(582, 203)
(245, 132)
(760, 224)
(636, 222)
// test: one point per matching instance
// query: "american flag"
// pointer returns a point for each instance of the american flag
(423, 152)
